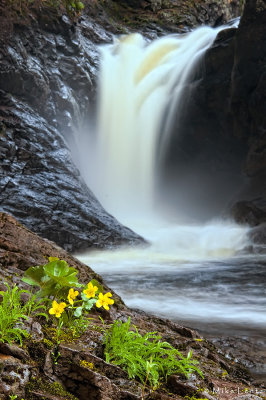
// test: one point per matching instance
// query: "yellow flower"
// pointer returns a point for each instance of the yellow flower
(72, 294)
(57, 309)
(104, 301)
(90, 291)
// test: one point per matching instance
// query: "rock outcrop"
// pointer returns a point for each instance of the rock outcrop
(76, 369)
(47, 82)
(168, 15)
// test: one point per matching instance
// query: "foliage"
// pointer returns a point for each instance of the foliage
(73, 315)
(11, 315)
(54, 278)
(21, 7)
(145, 357)
(57, 280)
(34, 306)
(72, 7)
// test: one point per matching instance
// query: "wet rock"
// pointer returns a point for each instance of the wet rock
(36, 331)
(183, 388)
(258, 234)
(14, 376)
(170, 14)
(247, 397)
(246, 212)
(47, 80)
(14, 351)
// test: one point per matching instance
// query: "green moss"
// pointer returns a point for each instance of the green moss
(54, 388)
(48, 343)
(86, 364)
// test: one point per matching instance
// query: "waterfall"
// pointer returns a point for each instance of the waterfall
(193, 272)
(141, 81)
(138, 81)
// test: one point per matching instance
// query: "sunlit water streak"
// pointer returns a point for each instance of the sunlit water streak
(190, 273)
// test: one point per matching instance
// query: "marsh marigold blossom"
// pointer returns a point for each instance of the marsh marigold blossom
(72, 294)
(104, 300)
(90, 291)
(57, 309)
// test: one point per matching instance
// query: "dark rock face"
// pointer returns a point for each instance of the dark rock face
(220, 140)
(47, 81)
(172, 13)
(248, 101)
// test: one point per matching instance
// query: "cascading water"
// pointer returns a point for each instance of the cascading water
(137, 82)
(193, 265)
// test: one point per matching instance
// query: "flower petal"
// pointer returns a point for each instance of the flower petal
(98, 304)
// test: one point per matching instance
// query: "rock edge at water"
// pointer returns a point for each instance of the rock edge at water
(81, 369)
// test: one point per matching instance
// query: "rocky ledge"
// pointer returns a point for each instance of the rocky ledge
(76, 369)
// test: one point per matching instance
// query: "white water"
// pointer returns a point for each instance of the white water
(192, 266)
(137, 82)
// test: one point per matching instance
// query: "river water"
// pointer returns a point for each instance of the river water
(201, 275)
(195, 276)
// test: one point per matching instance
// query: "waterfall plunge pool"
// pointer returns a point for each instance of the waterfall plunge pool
(197, 276)
(194, 274)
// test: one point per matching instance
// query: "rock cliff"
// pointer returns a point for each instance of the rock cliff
(47, 86)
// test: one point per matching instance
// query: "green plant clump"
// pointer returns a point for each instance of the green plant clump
(53, 278)
(12, 314)
(57, 282)
(145, 357)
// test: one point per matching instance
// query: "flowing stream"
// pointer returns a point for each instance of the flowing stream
(198, 274)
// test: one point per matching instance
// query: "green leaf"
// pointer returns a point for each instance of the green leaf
(89, 304)
(78, 311)
(34, 275)
(56, 268)
(53, 278)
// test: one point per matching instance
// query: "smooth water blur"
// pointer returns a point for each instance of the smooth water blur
(200, 275)
(189, 273)
(138, 81)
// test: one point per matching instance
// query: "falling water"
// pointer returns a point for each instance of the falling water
(198, 268)
(138, 81)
